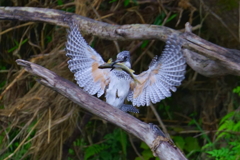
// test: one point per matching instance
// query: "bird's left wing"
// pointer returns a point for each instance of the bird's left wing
(164, 73)
(84, 63)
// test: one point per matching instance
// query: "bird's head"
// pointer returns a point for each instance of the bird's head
(124, 58)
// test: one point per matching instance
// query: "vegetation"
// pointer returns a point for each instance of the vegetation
(202, 117)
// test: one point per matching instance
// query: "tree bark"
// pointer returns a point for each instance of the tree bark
(161, 146)
(204, 57)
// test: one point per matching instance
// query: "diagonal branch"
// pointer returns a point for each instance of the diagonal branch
(150, 134)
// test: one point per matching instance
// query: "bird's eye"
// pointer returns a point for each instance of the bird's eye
(125, 58)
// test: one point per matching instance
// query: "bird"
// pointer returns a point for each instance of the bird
(164, 73)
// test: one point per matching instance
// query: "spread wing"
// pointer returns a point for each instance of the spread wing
(164, 73)
(84, 63)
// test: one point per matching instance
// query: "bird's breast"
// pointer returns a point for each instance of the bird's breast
(117, 91)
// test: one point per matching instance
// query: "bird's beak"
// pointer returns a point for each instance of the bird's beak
(108, 65)
(115, 62)
(112, 65)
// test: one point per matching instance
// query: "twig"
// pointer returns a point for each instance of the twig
(220, 19)
(134, 148)
(19, 26)
(22, 142)
(12, 83)
(159, 119)
(143, 53)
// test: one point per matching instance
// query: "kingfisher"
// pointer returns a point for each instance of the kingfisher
(164, 73)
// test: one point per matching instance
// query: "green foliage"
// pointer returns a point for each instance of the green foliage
(48, 39)
(17, 45)
(227, 5)
(79, 143)
(229, 153)
(237, 90)
(68, 9)
(2, 84)
(179, 141)
(113, 148)
(188, 144)
(146, 153)
(165, 111)
(229, 123)
(204, 135)
(227, 138)
(126, 2)
(111, 1)
(10, 150)
(59, 2)
(95, 149)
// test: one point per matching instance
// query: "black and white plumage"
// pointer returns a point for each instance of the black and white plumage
(164, 73)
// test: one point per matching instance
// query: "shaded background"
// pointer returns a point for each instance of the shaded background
(202, 117)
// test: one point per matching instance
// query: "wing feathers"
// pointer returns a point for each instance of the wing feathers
(84, 62)
(164, 74)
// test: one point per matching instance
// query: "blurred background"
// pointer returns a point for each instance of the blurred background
(202, 116)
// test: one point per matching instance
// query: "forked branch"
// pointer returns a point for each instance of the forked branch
(204, 57)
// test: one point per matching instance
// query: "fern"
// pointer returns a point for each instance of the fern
(113, 148)
(95, 149)
(226, 137)
(229, 123)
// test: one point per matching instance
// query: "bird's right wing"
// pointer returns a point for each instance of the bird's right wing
(84, 63)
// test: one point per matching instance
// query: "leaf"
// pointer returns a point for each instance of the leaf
(191, 144)
(159, 19)
(60, 2)
(71, 151)
(112, 1)
(208, 145)
(126, 3)
(226, 126)
(123, 141)
(17, 45)
(213, 153)
(106, 155)
(145, 43)
(237, 90)
(236, 127)
(144, 146)
(147, 154)
(94, 149)
(229, 115)
(179, 141)
(171, 17)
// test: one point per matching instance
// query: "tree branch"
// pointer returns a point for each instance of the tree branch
(204, 57)
(150, 134)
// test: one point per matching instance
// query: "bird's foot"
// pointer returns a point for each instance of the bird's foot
(129, 108)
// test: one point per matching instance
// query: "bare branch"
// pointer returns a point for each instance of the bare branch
(223, 61)
(150, 134)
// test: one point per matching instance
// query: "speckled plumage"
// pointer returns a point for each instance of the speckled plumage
(164, 73)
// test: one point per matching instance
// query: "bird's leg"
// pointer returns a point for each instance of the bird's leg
(129, 108)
